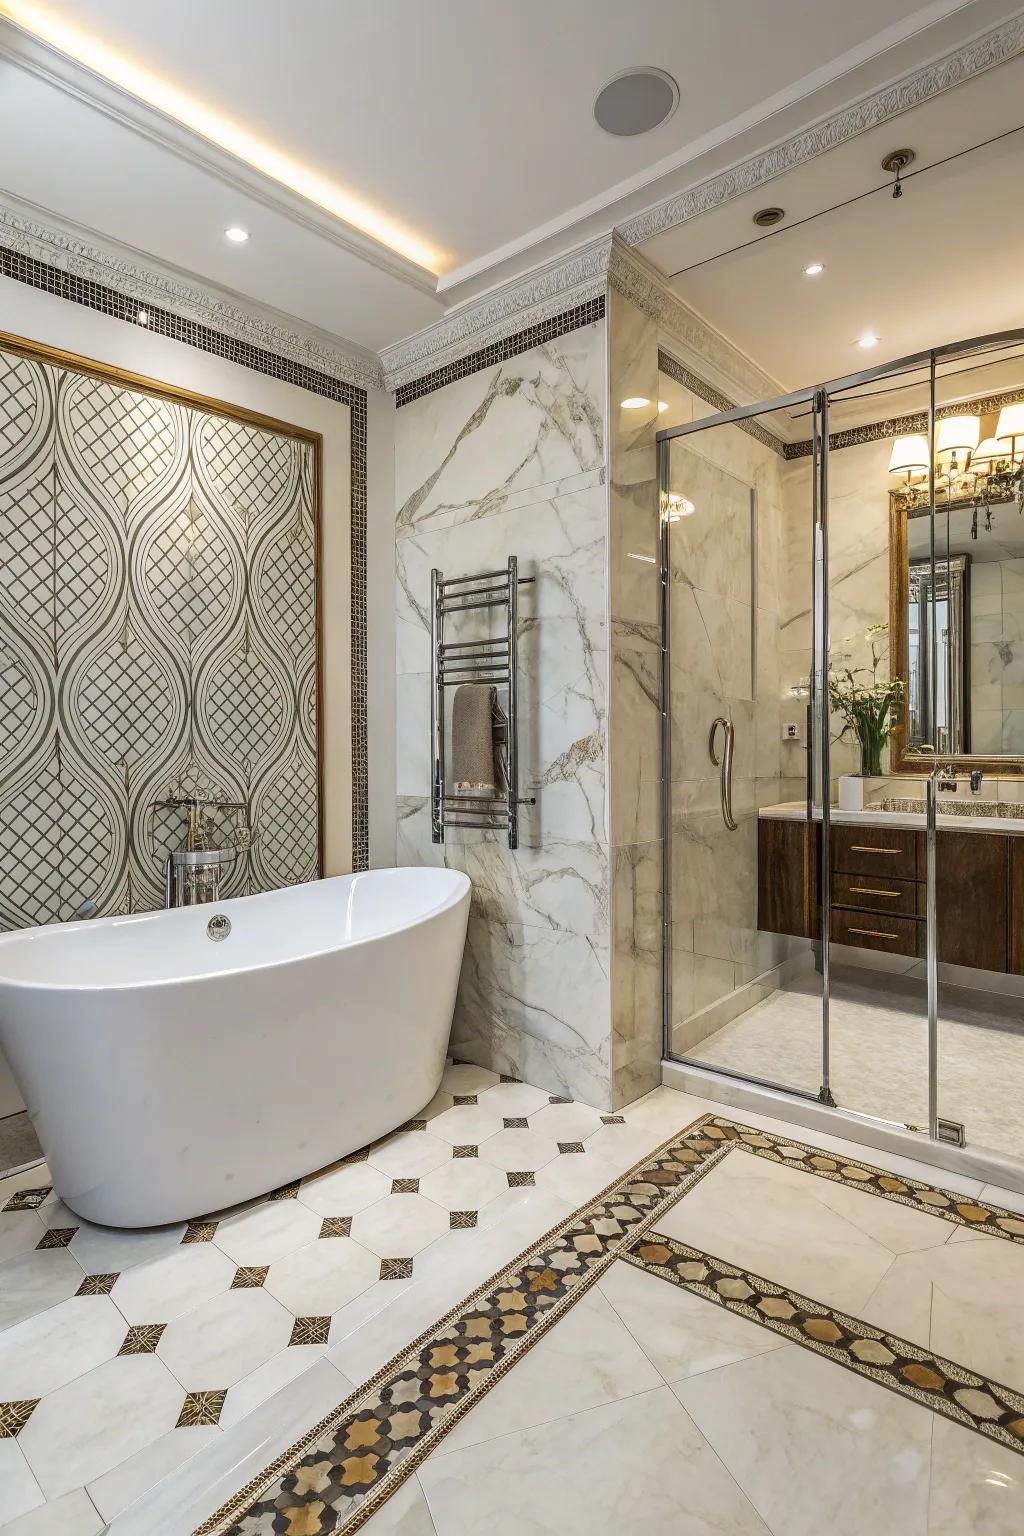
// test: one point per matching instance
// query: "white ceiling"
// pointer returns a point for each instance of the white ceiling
(466, 123)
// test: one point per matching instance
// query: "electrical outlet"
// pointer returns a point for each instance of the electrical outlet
(791, 731)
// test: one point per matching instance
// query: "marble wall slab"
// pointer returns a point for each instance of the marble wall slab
(511, 460)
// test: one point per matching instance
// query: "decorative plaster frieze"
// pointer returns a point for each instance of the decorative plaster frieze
(567, 283)
(982, 53)
(72, 252)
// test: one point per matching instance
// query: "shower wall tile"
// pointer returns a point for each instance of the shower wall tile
(157, 615)
(511, 460)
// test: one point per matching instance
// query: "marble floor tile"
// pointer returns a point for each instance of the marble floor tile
(780, 1230)
(578, 1179)
(522, 1150)
(566, 1122)
(409, 1154)
(33, 1281)
(406, 1513)
(343, 1191)
(159, 1291)
(681, 1334)
(19, 1491)
(400, 1225)
(20, 1231)
(222, 1340)
(268, 1231)
(977, 1488)
(815, 1448)
(589, 1358)
(118, 1489)
(464, 1077)
(464, 1184)
(104, 1251)
(50, 1349)
(98, 1420)
(267, 1379)
(466, 1123)
(513, 1099)
(316, 1280)
(72, 1515)
(180, 1501)
(637, 1465)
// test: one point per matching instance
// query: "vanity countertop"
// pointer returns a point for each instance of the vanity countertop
(796, 810)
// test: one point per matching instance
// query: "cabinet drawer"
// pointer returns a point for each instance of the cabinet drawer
(867, 930)
(890, 851)
(876, 893)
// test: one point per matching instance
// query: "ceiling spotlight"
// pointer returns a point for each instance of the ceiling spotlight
(764, 218)
(634, 402)
(143, 317)
(869, 339)
(815, 269)
(636, 101)
(236, 235)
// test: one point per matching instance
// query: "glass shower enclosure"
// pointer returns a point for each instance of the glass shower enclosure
(842, 639)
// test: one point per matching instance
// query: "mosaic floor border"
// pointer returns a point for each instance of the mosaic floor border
(339, 1473)
(944, 1386)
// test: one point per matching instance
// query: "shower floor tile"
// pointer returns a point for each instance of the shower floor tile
(124, 1355)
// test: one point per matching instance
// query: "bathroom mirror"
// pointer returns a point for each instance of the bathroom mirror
(974, 595)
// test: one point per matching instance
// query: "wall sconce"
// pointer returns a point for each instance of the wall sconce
(909, 457)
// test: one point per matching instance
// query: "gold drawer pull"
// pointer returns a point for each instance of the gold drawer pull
(872, 848)
(874, 933)
(869, 890)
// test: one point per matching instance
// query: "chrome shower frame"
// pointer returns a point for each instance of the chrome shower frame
(818, 399)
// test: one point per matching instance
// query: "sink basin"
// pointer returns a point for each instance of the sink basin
(954, 805)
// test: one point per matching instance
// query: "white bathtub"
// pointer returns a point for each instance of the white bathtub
(168, 1075)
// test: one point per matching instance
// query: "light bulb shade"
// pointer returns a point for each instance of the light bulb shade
(1011, 421)
(957, 434)
(909, 455)
(988, 453)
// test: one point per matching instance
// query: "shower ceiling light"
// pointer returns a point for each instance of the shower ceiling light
(815, 269)
(636, 101)
(236, 234)
(662, 406)
(869, 339)
(213, 125)
(634, 402)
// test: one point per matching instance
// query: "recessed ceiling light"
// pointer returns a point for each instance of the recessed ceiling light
(634, 402)
(662, 406)
(815, 269)
(143, 317)
(636, 101)
(869, 339)
(764, 218)
(236, 234)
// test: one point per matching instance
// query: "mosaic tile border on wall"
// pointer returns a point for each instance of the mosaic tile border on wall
(349, 1464)
(500, 351)
(26, 269)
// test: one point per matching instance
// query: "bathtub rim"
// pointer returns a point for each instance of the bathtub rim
(462, 889)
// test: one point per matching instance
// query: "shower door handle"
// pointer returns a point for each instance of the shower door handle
(729, 731)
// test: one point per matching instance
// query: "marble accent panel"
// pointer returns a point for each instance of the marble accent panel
(511, 460)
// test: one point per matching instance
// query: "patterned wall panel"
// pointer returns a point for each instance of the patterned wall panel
(158, 618)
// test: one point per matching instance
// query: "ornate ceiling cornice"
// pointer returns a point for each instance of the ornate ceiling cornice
(516, 306)
(74, 252)
(982, 53)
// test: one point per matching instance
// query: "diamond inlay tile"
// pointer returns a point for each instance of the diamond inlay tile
(142, 1339)
(310, 1330)
(515, 1122)
(464, 1098)
(570, 1146)
(463, 1219)
(97, 1285)
(201, 1408)
(200, 1232)
(613, 1119)
(286, 1192)
(519, 1180)
(338, 1226)
(249, 1276)
(57, 1237)
(15, 1415)
(28, 1199)
(466, 1151)
(405, 1186)
(395, 1269)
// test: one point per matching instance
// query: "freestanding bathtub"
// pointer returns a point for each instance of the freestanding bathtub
(172, 1068)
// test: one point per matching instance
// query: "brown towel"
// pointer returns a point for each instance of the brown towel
(478, 735)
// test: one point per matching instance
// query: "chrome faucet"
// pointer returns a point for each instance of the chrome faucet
(947, 780)
(976, 777)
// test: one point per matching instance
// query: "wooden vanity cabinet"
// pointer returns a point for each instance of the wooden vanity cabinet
(878, 890)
